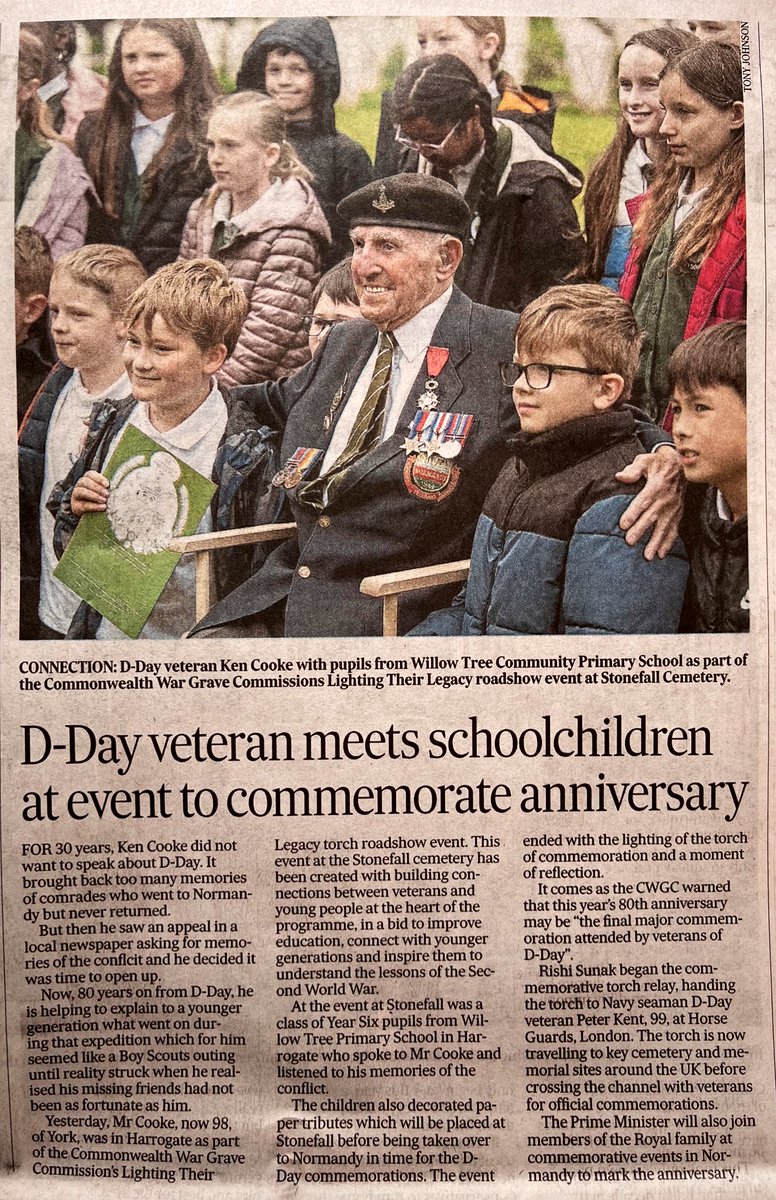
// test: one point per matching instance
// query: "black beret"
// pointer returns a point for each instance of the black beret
(410, 201)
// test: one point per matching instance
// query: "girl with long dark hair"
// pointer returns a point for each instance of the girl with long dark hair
(687, 266)
(627, 165)
(146, 150)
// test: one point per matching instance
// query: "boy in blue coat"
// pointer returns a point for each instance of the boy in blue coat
(549, 555)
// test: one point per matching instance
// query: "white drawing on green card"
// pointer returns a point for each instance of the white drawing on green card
(148, 503)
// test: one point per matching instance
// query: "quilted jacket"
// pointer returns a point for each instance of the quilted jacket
(549, 555)
(277, 260)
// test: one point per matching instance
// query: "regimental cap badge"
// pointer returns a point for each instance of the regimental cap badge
(383, 203)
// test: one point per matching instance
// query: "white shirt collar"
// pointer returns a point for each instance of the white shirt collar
(685, 196)
(462, 176)
(117, 391)
(194, 428)
(414, 337)
(160, 127)
(54, 87)
(723, 508)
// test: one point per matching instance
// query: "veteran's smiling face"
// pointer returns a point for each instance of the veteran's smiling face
(397, 272)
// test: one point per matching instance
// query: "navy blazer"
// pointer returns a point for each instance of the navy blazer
(374, 523)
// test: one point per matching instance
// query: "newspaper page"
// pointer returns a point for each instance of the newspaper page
(455, 917)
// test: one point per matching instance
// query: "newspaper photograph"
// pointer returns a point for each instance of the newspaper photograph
(361, 361)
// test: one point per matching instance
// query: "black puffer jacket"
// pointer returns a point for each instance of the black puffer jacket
(718, 593)
(338, 164)
(157, 237)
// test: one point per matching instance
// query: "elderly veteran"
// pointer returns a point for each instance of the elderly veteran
(368, 492)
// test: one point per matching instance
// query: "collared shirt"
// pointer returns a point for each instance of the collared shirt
(462, 176)
(635, 169)
(66, 432)
(412, 341)
(147, 138)
(54, 87)
(723, 508)
(195, 442)
(686, 202)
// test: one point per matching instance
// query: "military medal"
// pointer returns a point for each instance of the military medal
(435, 441)
(293, 472)
(436, 357)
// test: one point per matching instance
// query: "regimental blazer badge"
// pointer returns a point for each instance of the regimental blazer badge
(338, 398)
(435, 440)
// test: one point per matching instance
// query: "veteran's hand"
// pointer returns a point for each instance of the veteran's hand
(658, 506)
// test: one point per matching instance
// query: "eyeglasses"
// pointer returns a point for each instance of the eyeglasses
(321, 324)
(538, 376)
(422, 147)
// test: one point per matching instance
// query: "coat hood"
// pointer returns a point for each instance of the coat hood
(313, 39)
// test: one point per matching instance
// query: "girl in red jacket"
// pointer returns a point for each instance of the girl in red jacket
(687, 267)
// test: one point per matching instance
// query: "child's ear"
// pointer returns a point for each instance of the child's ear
(214, 359)
(737, 115)
(33, 306)
(272, 154)
(488, 46)
(610, 389)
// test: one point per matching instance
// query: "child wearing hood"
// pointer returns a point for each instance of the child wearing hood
(294, 60)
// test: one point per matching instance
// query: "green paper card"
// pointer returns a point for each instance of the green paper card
(117, 560)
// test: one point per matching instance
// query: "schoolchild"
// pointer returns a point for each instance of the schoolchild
(626, 167)
(524, 234)
(182, 324)
(707, 375)
(479, 42)
(51, 187)
(294, 60)
(333, 301)
(69, 89)
(145, 150)
(549, 555)
(89, 289)
(32, 268)
(687, 265)
(717, 31)
(263, 222)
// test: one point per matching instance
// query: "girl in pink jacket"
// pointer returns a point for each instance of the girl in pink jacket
(263, 222)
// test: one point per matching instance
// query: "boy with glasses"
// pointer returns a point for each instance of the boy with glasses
(549, 555)
(333, 301)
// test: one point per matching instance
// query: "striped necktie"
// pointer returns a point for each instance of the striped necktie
(366, 431)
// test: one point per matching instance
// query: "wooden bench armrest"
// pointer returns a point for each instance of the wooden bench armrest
(201, 545)
(390, 586)
(197, 542)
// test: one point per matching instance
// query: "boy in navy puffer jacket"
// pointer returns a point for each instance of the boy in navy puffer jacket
(549, 555)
